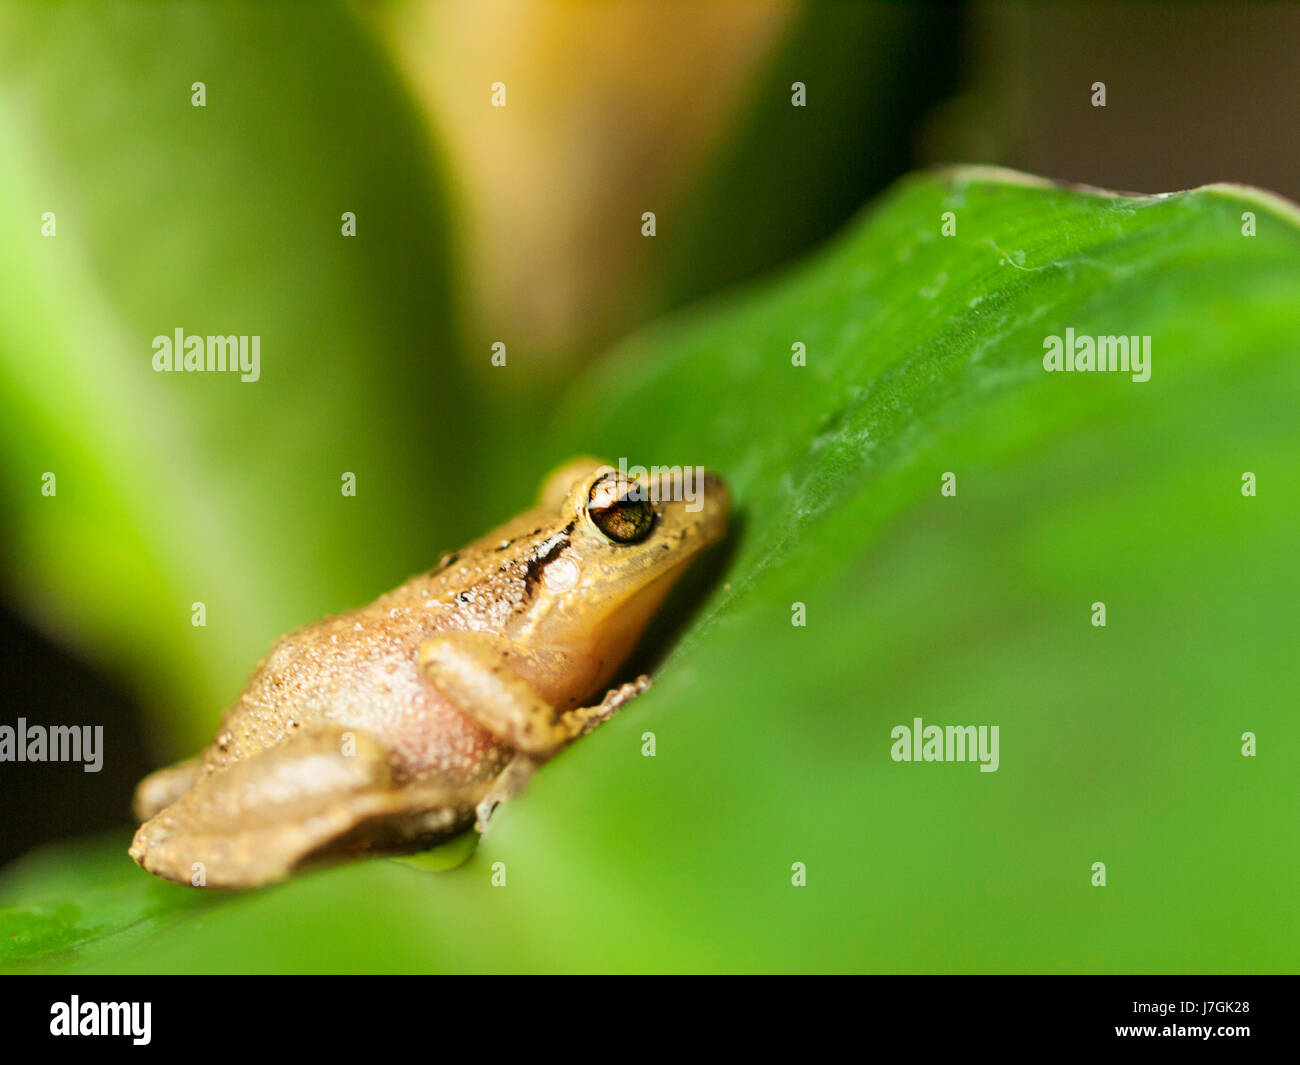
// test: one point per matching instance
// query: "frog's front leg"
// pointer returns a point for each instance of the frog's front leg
(476, 671)
(323, 791)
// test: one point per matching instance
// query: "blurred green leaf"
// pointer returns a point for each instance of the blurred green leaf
(224, 220)
(1118, 744)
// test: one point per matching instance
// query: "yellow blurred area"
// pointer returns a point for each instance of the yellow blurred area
(609, 110)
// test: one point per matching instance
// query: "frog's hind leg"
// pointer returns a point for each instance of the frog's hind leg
(164, 787)
(321, 792)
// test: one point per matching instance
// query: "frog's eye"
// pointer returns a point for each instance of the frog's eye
(617, 511)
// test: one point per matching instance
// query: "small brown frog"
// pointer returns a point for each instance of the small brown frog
(388, 728)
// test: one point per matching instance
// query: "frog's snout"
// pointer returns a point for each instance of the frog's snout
(714, 506)
(716, 496)
(692, 503)
(715, 489)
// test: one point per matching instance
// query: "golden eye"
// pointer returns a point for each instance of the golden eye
(617, 512)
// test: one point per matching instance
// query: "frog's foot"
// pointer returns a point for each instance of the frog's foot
(586, 718)
(575, 722)
(320, 793)
(509, 783)
(164, 787)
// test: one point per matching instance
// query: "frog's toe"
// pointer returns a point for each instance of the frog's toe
(164, 787)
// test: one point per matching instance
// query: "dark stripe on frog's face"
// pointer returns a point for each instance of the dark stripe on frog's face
(545, 553)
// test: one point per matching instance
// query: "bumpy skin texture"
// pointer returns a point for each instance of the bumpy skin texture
(386, 727)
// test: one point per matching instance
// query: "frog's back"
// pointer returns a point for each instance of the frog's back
(359, 669)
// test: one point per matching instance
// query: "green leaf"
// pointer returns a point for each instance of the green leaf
(1118, 744)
